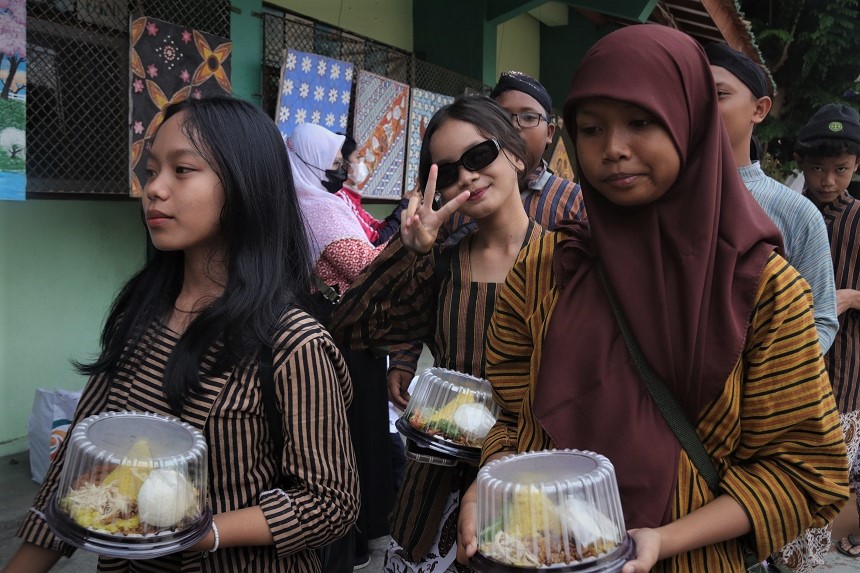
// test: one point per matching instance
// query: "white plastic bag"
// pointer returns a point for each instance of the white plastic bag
(39, 432)
(65, 403)
(50, 419)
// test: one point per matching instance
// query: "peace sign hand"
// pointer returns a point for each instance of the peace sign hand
(419, 223)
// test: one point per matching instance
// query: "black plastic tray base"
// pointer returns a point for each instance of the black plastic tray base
(611, 562)
(437, 444)
(121, 546)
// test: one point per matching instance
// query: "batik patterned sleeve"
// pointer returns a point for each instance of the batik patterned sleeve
(344, 259)
(313, 390)
(511, 342)
(811, 257)
(35, 529)
(405, 356)
(391, 302)
(789, 468)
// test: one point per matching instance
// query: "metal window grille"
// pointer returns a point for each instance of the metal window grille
(285, 30)
(78, 88)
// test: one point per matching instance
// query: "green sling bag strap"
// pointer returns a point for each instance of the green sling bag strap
(677, 420)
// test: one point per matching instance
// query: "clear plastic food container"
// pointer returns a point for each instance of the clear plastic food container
(449, 412)
(554, 510)
(133, 485)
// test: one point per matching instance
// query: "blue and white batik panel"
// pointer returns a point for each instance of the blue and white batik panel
(424, 105)
(314, 89)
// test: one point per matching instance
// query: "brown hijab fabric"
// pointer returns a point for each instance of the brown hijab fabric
(684, 268)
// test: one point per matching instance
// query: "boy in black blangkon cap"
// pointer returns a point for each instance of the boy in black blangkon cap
(828, 152)
(742, 96)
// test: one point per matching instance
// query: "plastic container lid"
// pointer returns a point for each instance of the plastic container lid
(557, 510)
(133, 485)
(450, 412)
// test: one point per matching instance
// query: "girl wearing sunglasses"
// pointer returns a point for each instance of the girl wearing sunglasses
(444, 294)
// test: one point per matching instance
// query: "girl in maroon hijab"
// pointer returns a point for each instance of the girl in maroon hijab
(717, 312)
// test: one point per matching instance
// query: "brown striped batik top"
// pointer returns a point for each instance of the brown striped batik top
(548, 200)
(402, 297)
(313, 389)
(843, 359)
(774, 432)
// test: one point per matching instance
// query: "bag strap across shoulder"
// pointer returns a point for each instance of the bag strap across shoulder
(270, 401)
(663, 398)
(677, 420)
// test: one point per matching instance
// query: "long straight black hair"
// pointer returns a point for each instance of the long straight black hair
(262, 232)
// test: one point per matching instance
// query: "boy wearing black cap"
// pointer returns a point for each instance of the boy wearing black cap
(742, 94)
(828, 152)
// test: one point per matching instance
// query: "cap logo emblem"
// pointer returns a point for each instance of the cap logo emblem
(835, 126)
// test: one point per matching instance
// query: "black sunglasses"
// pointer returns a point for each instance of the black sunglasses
(474, 159)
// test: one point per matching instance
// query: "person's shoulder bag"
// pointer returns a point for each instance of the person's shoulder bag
(681, 426)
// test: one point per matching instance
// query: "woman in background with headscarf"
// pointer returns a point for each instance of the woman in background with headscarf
(719, 315)
(340, 250)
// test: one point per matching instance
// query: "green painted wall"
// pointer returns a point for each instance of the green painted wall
(246, 31)
(61, 264)
(450, 33)
(387, 21)
(518, 46)
(562, 48)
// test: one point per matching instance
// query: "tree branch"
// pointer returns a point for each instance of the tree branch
(784, 55)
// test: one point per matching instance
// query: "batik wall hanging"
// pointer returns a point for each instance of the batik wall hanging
(559, 162)
(169, 64)
(13, 99)
(380, 122)
(422, 107)
(314, 89)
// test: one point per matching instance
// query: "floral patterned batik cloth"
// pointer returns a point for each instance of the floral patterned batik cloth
(169, 64)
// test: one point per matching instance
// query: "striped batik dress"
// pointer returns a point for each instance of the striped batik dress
(313, 389)
(399, 298)
(547, 199)
(774, 433)
(842, 219)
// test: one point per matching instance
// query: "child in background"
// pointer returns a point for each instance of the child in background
(828, 152)
(742, 94)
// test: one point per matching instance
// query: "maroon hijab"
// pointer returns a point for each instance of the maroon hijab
(685, 270)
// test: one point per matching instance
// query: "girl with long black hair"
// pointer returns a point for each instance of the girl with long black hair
(230, 276)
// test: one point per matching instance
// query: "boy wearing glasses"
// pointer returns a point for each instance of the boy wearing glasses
(546, 197)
